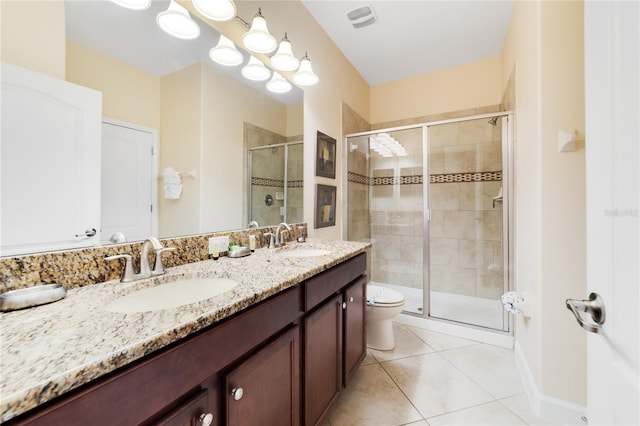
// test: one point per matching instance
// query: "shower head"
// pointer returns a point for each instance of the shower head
(493, 121)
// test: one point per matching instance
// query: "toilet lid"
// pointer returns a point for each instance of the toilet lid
(382, 295)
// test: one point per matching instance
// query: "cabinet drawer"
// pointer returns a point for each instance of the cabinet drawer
(325, 284)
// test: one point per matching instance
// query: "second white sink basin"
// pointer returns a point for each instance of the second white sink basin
(171, 295)
(304, 252)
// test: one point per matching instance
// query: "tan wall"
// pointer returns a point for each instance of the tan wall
(33, 35)
(544, 45)
(563, 201)
(180, 147)
(128, 94)
(458, 88)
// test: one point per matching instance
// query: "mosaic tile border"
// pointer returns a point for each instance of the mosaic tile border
(466, 177)
(492, 176)
(257, 181)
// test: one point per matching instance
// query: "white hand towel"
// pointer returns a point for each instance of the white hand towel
(172, 183)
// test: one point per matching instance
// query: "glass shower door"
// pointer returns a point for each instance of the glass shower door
(385, 192)
(466, 268)
(267, 178)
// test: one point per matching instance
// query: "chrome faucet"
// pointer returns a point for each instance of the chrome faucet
(279, 235)
(145, 269)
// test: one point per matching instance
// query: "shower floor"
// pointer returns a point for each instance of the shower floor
(454, 307)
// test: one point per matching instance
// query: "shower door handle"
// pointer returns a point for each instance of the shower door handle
(594, 306)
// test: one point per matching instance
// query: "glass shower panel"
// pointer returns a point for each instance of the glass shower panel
(267, 185)
(466, 277)
(395, 177)
(295, 173)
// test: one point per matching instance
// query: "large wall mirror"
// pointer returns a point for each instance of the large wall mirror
(207, 119)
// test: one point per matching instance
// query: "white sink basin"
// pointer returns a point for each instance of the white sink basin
(171, 295)
(304, 252)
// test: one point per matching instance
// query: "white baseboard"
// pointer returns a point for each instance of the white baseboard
(493, 338)
(552, 409)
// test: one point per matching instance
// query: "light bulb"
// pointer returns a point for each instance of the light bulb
(284, 60)
(133, 4)
(278, 84)
(225, 53)
(258, 39)
(305, 75)
(217, 10)
(177, 22)
(255, 70)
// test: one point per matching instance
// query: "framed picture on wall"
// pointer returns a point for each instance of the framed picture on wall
(325, 156)
(325, 206)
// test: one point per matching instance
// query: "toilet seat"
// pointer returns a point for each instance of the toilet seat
(383, 297)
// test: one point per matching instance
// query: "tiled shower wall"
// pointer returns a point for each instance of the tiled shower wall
(466, 226)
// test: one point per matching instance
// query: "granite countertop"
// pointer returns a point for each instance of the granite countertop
(51, 349)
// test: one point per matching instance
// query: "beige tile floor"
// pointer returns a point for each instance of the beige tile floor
(434, 379)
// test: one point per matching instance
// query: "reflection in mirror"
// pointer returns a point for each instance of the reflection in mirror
(195, 108)
(276, 183)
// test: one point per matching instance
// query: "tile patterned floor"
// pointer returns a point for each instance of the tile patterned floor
(434, 379)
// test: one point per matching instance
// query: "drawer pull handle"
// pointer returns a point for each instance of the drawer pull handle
(237, 393)
(206, 419)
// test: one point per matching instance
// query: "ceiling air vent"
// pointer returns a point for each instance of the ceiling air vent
(362, 17)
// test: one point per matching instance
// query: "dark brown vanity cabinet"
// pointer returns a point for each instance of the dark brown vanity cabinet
(265, 389)
(283, 361)
(334, 335)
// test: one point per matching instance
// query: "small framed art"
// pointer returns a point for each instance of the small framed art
(325, 156)
(325, 206)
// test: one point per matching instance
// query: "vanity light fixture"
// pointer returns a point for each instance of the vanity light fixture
(217, 10)
(133, 4)
(225, 53)
(278, 84)
(305, 75)
(177, 22)
(258, 39)
(284, 60)
(255, 70)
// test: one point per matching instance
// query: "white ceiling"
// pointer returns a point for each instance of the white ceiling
(414, 37)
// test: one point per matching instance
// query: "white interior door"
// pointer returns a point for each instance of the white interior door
(128, 182)
(49, 163)
(612, 74)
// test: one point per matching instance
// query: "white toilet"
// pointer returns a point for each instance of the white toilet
(383, 305)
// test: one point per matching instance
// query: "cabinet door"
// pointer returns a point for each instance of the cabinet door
(49, 163)
(354, 327)
(322, 359)
(264, 389)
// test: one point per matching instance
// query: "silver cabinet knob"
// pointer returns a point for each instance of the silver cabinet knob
(351, 299)
(206, 419)
(344, 305)
(237, 393)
